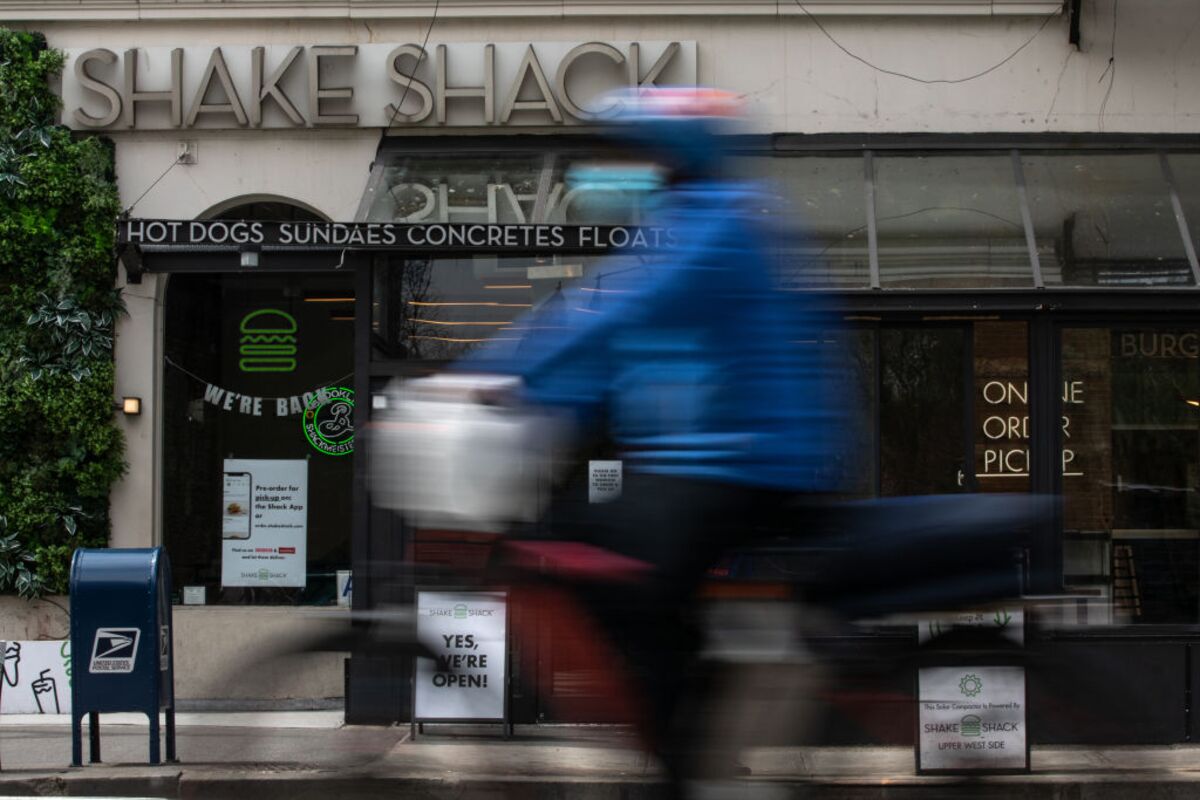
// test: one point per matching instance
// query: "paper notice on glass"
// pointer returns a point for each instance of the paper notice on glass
(270, 548)
(604, 481)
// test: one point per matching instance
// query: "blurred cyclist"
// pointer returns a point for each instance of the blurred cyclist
(707, 382)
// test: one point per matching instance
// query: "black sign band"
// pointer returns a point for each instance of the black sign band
(423, 238)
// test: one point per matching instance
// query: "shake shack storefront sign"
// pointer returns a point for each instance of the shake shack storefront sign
(462, 237)
(282, 86)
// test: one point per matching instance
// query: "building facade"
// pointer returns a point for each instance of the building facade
(1003, 196)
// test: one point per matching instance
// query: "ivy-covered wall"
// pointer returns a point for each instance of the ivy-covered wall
(60, 452)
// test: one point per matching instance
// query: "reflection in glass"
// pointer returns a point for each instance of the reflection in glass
(855, 348)
(820, 203)
(1185, 172)
(952, 221)
(1132, 517)
(442, 308)
(510, 188)
(921, 410)
(1104, 220)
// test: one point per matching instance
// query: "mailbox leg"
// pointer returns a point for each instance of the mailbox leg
(76, 740)
(155, 744)
(171, 735)
(94, 736)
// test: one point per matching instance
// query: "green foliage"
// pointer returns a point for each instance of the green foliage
(17, 565)
(60, 452)
(66, 337)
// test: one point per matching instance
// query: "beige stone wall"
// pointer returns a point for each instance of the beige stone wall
(221, 653)
(232, 653)
(37, 619)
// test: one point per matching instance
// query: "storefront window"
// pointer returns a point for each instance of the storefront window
(1185, 172)
(1131, 436)
(817, 205)
(1000, 429)
(922, 378)
(1105, 220)
(257, 436)
(949, 221)
(927, 396)
(438, 309)
(511, 188)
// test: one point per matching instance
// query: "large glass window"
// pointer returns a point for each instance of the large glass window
(818, 205)
(942, 219)
(1000, 429)
(938, 407)
(1185, 169)
(922, 378)
(1105, 220)
(1131, 443)
(949, 221)
(257, 436)
(512, 188)
(437, 309)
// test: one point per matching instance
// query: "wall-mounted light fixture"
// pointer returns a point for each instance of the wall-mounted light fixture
(248, 255)
(129, 406)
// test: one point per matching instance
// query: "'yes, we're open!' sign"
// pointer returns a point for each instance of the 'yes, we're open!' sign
(467, 678)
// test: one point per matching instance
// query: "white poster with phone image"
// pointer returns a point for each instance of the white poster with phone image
(235, 502)
(264, 522)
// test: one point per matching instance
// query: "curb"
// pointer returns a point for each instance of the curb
(321, 785)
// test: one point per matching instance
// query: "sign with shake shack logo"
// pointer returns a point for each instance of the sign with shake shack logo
(467, 633)
(971, 718)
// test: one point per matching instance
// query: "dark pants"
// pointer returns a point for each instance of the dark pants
(680, 527)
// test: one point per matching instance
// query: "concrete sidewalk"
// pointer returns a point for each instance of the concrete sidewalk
(309, 754)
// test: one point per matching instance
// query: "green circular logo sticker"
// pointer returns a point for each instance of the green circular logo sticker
(328, 421)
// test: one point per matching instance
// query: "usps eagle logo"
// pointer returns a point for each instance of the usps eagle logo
(114, 650)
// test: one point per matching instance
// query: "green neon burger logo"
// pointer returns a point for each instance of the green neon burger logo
(328, 421)
(268, 342)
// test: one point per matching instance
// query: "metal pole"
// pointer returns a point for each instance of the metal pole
(155, 739)
(872, 238)
(1027, 220)
(76, 739)
(171, 734)
(94, 736)
(1180, 219)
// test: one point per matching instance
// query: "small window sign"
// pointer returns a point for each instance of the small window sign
(604, 481)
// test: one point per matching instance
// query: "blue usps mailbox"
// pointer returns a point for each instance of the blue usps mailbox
(121, 649)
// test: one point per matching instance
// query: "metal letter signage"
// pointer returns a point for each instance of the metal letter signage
(290, 86)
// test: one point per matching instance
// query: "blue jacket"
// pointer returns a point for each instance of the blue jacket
(698, 364)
